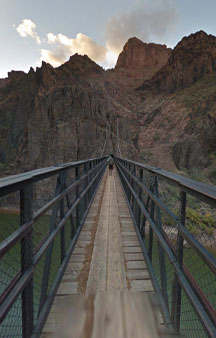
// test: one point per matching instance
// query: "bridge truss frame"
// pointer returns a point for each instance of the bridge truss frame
(136, 188)
(87, 176)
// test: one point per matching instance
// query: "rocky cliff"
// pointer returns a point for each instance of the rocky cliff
(139, 61)
(192, 58)
(137, 54)
(178, 110)
(58, 115)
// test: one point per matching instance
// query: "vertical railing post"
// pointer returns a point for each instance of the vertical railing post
(129, 179)
(89, 180)
(61, 183)
(132, 185)
(162, 263)
(95, 173)
(176, 294)
(140, 197)
(92, 176)
(82, 187)
(135, 204)
(77, 196)
(85, 185)
(152, 213)
(26, 213)
(71, 218)
(63, 177)
(143, 224)
(150, 244)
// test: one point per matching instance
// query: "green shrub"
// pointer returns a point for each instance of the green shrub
(199, 222)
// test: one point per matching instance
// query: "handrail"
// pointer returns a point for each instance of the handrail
(201, 190)
(131, 174)
(19, 233)
(12, 183)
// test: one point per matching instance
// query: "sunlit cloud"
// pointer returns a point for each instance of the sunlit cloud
(64, 47)
(148, 20)
(111, 58)
(28, 28)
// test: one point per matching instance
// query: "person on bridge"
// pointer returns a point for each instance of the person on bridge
(111, 163)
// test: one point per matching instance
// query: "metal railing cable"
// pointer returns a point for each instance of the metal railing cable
(104, 146)
(182, 269)
(117, 127)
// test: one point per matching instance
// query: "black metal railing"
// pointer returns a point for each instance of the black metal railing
(181, 262)
(38, 241)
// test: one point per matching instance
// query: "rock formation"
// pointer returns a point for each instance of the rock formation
(191, 59)
(164, 100)
(139, 61)
(55, 115)
(137, 54)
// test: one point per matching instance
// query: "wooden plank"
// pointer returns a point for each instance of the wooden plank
(108, 321)
(105, 315)
(78, 250)
(130, 239)
(89, 221)
(115, 273)
(81, 243)
(133, 257)
(67, 288)
(85, 233)
(141, 285)
(77, 258)
(84, 237)
(133, 265)
(132, 249)
(116, 278)
(69, 277)
(107, 270)
(88, 227)
(97, 279)
(139, 317)
(138, 274)
(73, 266)
(130, 243)
(127, 228)
(74, 311)
(129, 234)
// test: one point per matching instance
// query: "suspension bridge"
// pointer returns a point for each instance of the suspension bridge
(95, 255)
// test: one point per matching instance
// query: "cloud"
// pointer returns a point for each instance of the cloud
(28, 28)
(150, 21)
(65, 47)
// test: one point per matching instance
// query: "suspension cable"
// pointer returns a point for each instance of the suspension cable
(118, 139)
(105, 141)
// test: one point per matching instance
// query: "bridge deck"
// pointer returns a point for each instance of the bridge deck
(107, 256)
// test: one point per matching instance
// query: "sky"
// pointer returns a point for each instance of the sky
(53, 30)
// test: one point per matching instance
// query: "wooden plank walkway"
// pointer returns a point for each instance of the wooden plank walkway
(107, 315)
(107, 262)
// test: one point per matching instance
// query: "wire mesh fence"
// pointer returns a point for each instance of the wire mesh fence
(12, 324)
(190, 325)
